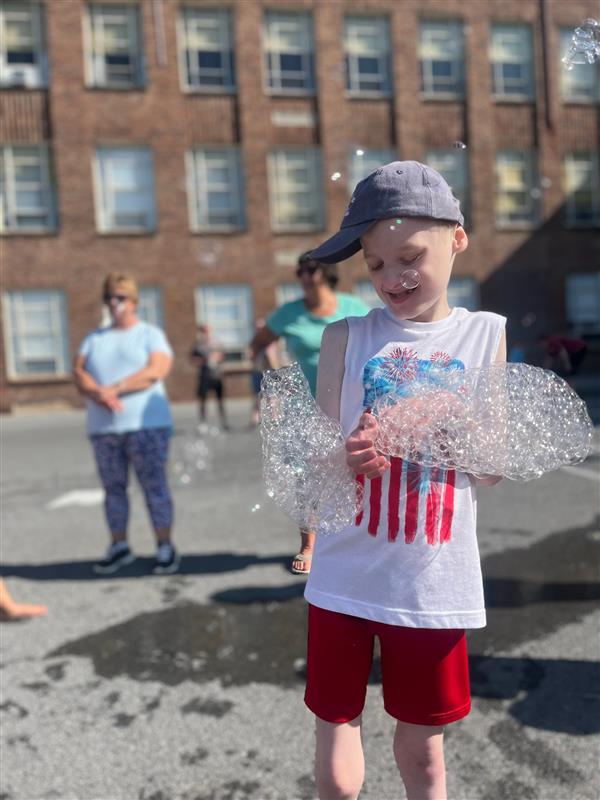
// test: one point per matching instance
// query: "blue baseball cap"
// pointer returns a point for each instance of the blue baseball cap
(399, 189)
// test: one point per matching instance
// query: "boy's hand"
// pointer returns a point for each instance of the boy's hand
(485, 480)
(361, 455)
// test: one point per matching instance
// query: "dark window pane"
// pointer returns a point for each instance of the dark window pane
(512, 71)
(20, 57)
(441, 69)
(210, 60)
(290, 62)
(117, 60)
(368, 65)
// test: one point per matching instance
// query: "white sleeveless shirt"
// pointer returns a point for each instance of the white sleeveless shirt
(411, 558)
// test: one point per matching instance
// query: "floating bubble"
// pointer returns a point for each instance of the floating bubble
(410, 279)
(459, 145)
(191, 456)
(545, 183)
(359, 152)
(255, 508)
(528, 319)
(335, 176)
(304, 456)
(585, 45)
(513, 420)
(535, 193)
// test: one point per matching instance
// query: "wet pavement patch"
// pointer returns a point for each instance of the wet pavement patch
(209, 707)
(189, 759)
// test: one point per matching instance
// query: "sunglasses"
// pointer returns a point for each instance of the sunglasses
(310, 269)
(120, 298)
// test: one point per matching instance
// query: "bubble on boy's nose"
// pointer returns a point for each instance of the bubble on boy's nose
(410, 279)
(335, 176)
(459, 145)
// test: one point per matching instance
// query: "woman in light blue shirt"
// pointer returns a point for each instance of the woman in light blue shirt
(120, 369)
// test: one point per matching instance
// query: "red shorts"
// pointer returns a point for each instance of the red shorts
(425, 672)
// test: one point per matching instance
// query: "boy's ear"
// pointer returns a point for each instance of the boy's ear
(460, 240)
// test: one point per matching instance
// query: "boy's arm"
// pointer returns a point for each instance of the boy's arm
(492, 480)
(330, 374)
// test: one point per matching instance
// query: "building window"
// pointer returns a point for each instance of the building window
(512, 62)
(215, 195)
(463, 292)
(583, 301)
(288, 47)
(441, 54)
(287, 293)
(295, 190)
(124, 190)
(582, 187)
(228, 311)
(114, 51)
(367, 49)
(453, 166)
(581, 83)
(36, 333)
(23, 57)
(364, 162)
(27, 201)
(516, 201)
(206, 50)
(150, 305)
(366, 291)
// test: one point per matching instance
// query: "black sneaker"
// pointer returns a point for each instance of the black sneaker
(117, 556)
(167, 559)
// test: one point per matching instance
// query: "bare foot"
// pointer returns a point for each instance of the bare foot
(17, 611)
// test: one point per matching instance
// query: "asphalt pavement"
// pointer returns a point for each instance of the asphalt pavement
(189, 687)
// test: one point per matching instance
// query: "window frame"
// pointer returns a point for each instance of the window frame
(275, 159)
(223, 19)
(305, 28)
(370, 154)
(571, 220)
(59, 335)
(151, 298)
(530, 169)
(199, 212)
(428, 90)
(527, 62)
(457, 176)
(245, 305)
(565, 76)
(103, 193)
(8, 199)
(36, 73)
(352, 59)
(95, 59)
(591, 324)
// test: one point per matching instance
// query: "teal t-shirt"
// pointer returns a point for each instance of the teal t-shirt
(303, 331)
(112, 354)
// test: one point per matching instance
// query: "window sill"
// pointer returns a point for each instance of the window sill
(37, 232)
(508, 227)
(127, 232)
(116, 88)
(308, 93)
(21, 87)
(356, 95)
(34, 380)
(580, 101)
(210, 90)
(230, 231)
(512, 99)
(284, 231)
(442, 97)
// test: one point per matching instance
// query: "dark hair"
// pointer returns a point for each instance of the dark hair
(330, 271)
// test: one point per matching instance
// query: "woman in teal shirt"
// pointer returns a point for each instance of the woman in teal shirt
(301, 323)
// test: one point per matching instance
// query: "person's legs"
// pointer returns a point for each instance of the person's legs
(419, 754)
(112, 466)
(339, 761)
(220, 393)
(148, 452)
(302, 561)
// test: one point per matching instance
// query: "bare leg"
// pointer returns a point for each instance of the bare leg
(202, 409)
(307, 545)
(419, 753)
(10, 610)
(162, 535)
(340, 762)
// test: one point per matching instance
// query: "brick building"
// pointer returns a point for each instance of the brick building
(203, 145)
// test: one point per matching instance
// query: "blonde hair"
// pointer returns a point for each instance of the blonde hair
(118, 280)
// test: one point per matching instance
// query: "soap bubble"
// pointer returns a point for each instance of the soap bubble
(304, 455)
(335, 176)
(191, 456)
(545, 183)
(459, 145)
(528, 319)
(513, 420)
(585, 45)
(359, 152)
(410, 279)
(535, 193)
(255, 508)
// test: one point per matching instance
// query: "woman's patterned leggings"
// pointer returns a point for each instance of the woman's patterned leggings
(147, 451)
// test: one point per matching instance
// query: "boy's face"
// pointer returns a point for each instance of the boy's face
(391, 247)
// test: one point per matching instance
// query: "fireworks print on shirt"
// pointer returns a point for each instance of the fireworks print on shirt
(420, 500)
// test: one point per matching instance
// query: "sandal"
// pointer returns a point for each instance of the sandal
(305, 560)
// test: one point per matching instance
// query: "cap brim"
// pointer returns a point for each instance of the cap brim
(342, 245)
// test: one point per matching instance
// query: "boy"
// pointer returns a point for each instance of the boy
(408, 570)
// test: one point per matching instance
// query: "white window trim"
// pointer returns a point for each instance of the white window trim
(244, 305)
(136, 52)
(530, 169)
(458, 177)
(570, 207)
(454, 29)
(303, 21)
(276, 171)
(197, 183)
(353, 76)
(372, 155)
(59, 321)
(35, 76)
(101, 194)
(225, 46)
(7, 153)
(565, 76)
(526, 61)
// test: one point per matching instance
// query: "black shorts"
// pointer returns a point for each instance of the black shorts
(210, 385)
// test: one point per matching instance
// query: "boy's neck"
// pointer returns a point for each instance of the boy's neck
(438, 311)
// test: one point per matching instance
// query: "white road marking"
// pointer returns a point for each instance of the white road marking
(77, 497)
